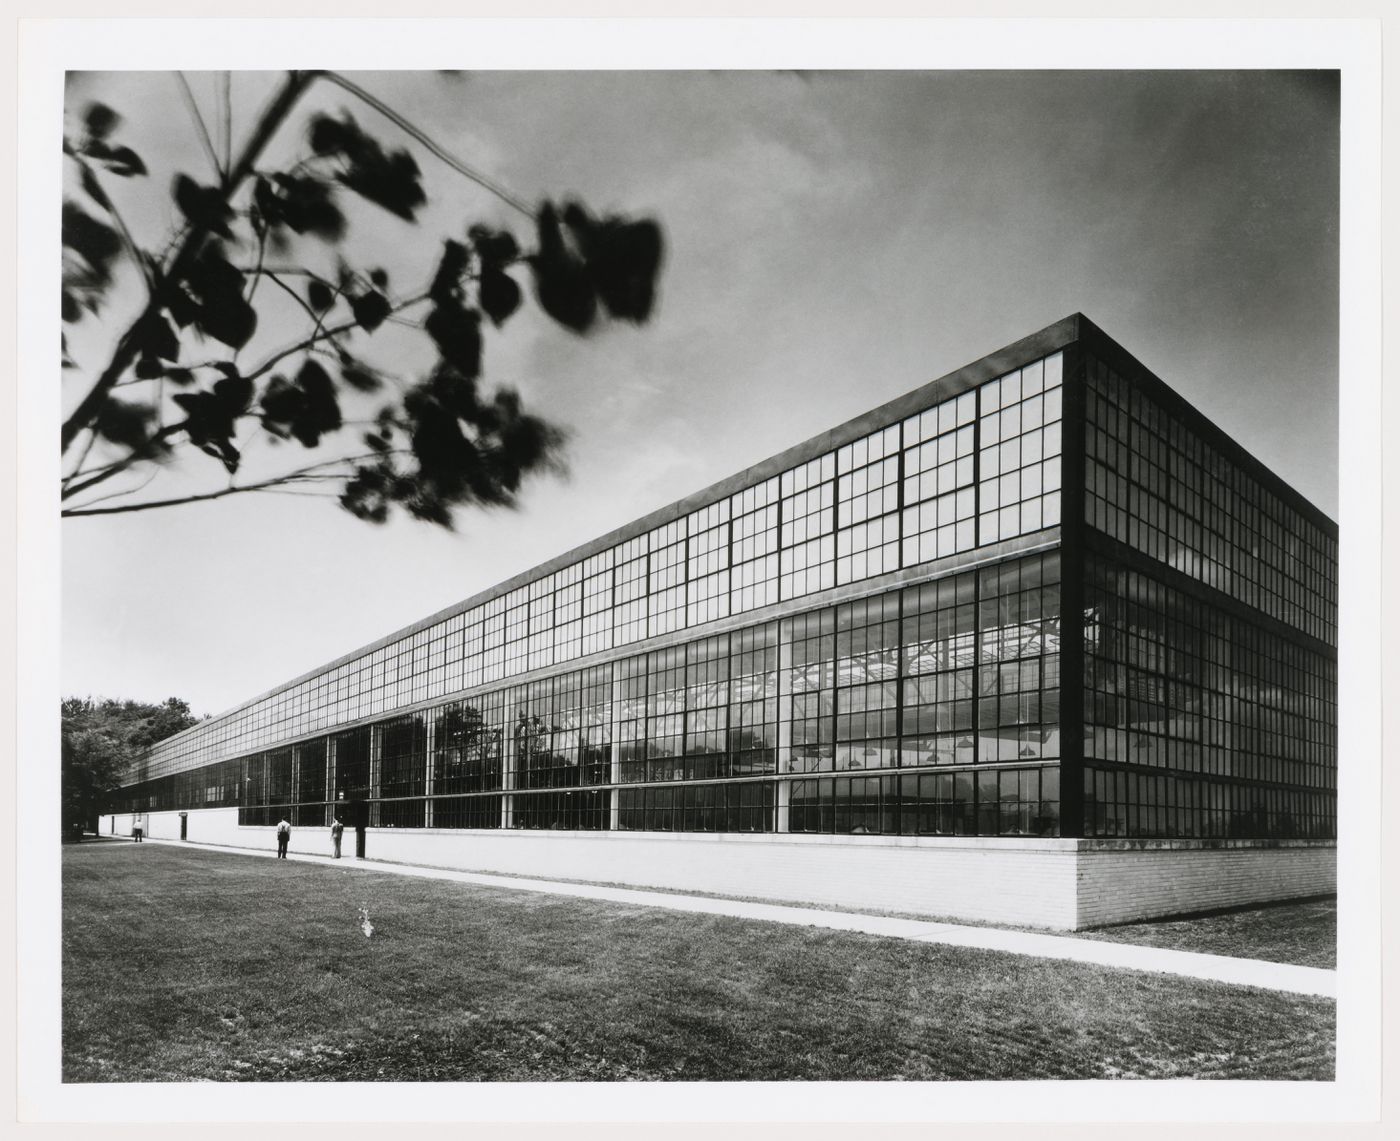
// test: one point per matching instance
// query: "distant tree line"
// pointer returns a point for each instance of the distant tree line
(101, 739)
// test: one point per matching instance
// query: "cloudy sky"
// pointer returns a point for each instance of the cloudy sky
(833, 240)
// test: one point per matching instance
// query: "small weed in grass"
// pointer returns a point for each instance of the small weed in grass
(184, 965)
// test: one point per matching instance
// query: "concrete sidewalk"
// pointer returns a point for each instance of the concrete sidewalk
(1124, 956)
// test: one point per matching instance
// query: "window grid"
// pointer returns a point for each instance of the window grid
(1199, 722)
(1019, 432)
(867, 506)
(1151, 483)
(1155, 485)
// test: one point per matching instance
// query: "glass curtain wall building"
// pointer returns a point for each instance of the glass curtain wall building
(1041, 596)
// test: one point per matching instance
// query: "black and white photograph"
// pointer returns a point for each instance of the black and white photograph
(674, 575)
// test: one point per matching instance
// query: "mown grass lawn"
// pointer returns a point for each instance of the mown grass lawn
(1303, 933)
(183, 965)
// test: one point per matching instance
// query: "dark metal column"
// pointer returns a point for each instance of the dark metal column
(1072, 568)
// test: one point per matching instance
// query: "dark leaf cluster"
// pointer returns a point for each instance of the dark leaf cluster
(211, 416)
(90, 250)
(99, 121)
(91, 247)
(454, 328)
(205, 208)
(442, 444)
(223, 311)
(128, 423)
(497, 292)
(301, 203)
(387, 178)
(304, 408)
(464, 452)
(583, 262)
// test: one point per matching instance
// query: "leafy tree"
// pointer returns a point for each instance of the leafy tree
(101, 740)
(175, 381)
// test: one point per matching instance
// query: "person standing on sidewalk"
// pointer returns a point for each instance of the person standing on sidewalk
(337, 830)
(136, 828)
(284, 835)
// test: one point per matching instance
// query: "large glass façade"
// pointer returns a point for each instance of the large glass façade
(866, 639)
(933, 709)
(1210, 611)
(968, 470)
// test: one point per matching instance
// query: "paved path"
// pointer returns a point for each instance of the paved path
(1126, 956)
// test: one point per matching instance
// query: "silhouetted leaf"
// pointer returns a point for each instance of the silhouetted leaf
(391, 181)
(364, 495)
(148, 368)
(388, 179)
(457, 334)
(232, 321)
(322, 412)
(224, 314)
(359, 375)
(157, 339)
(225, 451)
(453, 390)
(209, 424)
(447, 282)
(183, 308)
(93, 241)
(328, 135)
(320, 296)
(562, 282)
(525, 444)
(380, 279)
(281, 403)
(125, 162)
(72, 308)
(100, 120)
(304, 204)
(125, 422)
(94, 189)
(499, 295)
(370, 309)
(495, 248)
(234, 392)
(179, 376)
(622, 259)
(305, 408)
(204, 207)
(213, 277)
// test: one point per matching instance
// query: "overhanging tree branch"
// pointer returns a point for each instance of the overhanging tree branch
(203, 130)
(325, 333)
(438, 152)
(147, 451)
(128, 345)
(468, 445)
(309, 474)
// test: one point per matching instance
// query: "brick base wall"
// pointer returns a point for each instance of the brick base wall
(1127, 880)
(1054, 883)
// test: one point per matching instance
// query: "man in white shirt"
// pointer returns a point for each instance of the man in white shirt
(284, 834)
